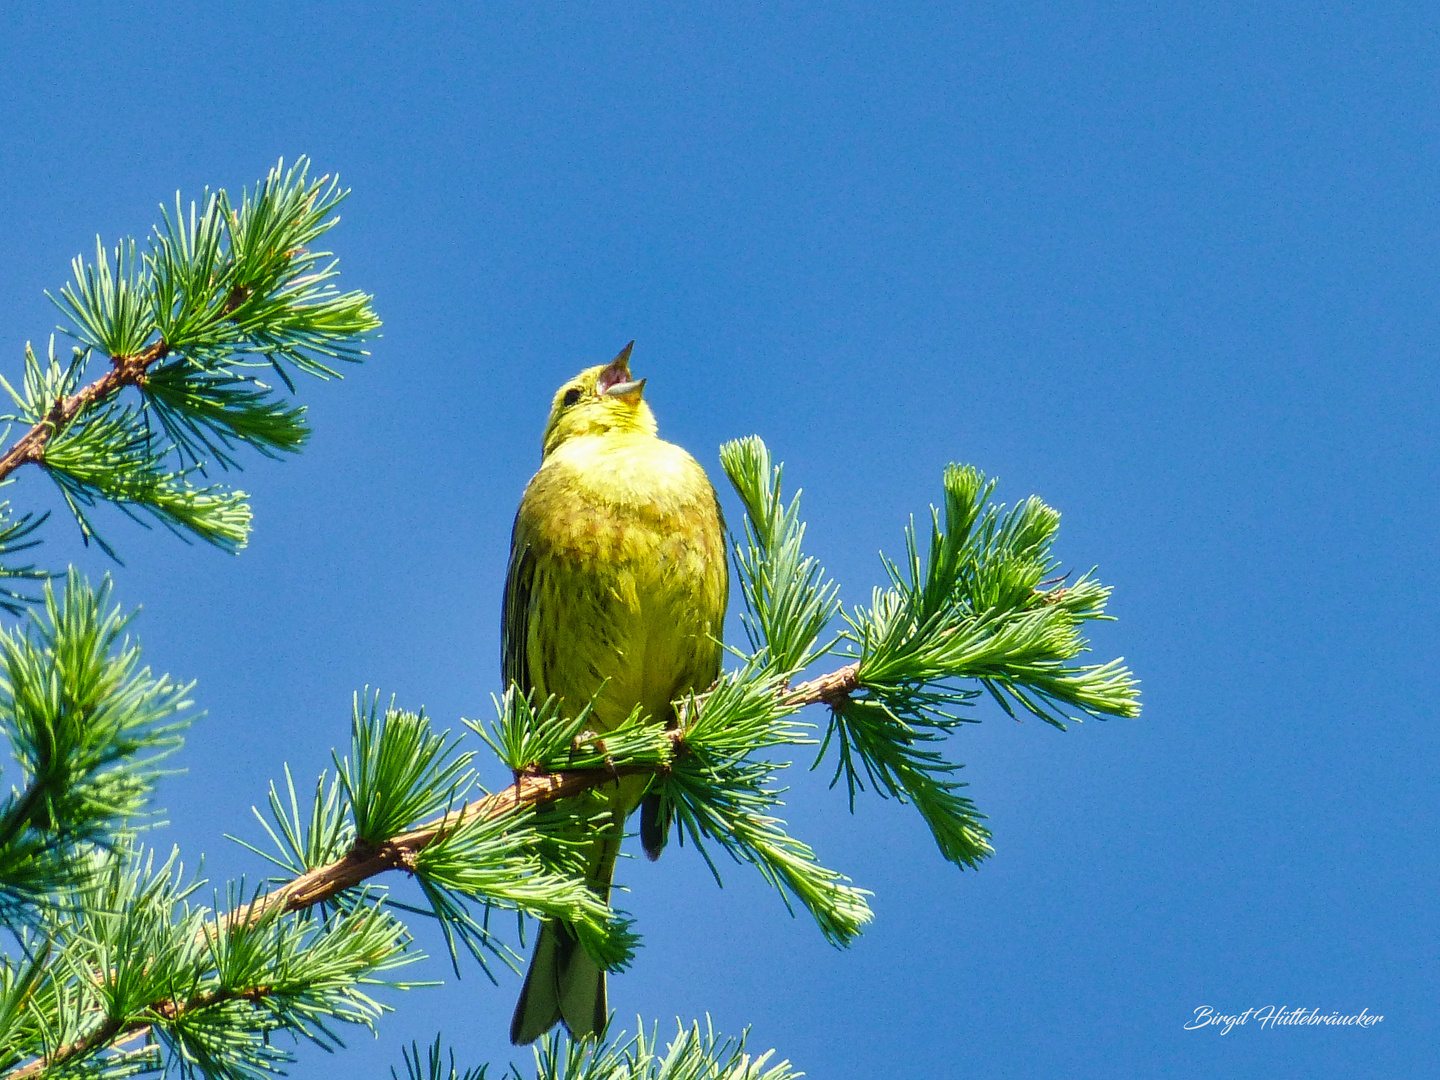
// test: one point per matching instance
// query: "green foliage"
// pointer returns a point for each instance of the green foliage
(978, 609)
(224, 283)
(282, 294)
(214, 989)
(434, 1065)
(400, 771)
(42, 385)
(727, 803)
(900, 759)
(112, 458)
(539, 738)
(398, 776)
(694, 1053)
(719, 791)
(17, 534)
(978, 614)
(787, 605)
(302, 843)
(215, 294)
(110, 303)
(500, 862)
(111, 941)
(205, 413)
(281, 974)
(88, 727)
(715, 788)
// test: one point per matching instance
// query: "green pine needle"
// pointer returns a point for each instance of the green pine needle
(434, 1065)
(113, 458)
(17, 534)
(399, 772)
(110, 303)
(500, 862)
(788, 603)
(206, 413)
(302, 844)
(978, 608)
(89, 728)
(982, 612)
(529, 737)
(215, 294)
(695, 1053)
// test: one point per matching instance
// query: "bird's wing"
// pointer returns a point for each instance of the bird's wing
(515, 612)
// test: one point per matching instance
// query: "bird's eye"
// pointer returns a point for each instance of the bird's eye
(571, 397)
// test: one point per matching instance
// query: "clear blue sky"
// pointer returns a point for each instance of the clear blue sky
(1170, 267)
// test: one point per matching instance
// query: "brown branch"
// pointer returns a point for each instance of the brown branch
(530, 789)
(364, 861)
(124, 371)
(109, 1032)
(114, 1032)
(833, 689)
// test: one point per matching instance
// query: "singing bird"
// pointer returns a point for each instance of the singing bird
(616, 592)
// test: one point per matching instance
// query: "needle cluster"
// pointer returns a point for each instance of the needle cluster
(695, 1053)
(172, 339)
(121, 964)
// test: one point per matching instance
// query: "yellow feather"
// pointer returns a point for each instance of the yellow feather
(616, 591)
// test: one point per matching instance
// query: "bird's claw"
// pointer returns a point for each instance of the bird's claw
(590, 740)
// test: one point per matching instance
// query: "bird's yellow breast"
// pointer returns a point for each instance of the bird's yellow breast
(619, 551)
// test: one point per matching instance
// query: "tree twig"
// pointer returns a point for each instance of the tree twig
(530, 789)
(363, 862)
(113, 1032)
(124, 371)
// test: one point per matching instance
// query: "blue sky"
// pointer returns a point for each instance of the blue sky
(1172, 270)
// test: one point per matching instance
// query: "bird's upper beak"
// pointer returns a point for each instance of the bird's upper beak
(615, 380)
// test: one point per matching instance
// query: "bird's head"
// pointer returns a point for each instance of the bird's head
(597, 401)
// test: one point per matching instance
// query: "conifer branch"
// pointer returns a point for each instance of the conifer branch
(115, 1032)
(531, 789)
(111, 1031)
(124, 371)
(186, 319)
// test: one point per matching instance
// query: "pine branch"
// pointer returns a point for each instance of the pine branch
(531, 790)
(89, 727)
(168, 1011)
(183, 323)
(978, 614)
(124, 371)
(133, 956)
(109, 1033)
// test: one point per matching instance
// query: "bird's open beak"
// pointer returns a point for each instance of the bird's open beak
(615, 380)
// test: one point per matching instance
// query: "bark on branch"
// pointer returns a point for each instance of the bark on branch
(325, 882)
(124, 371)
(366, 861)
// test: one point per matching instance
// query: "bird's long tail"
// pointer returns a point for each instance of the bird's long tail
(564, 982)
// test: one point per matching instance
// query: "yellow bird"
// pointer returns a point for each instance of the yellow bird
(616, 591)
